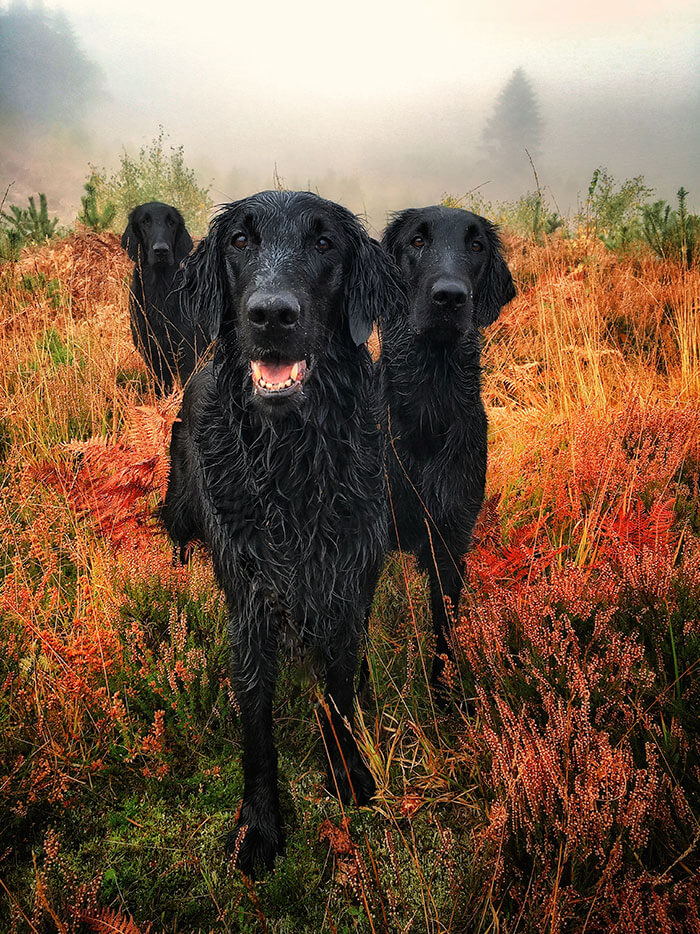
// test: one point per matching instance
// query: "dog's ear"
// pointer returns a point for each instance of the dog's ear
(496, 288)
(183, 242)
(202, 290)
(373, 287)
(131, 239)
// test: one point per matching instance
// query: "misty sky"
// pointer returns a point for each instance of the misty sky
(382, 103)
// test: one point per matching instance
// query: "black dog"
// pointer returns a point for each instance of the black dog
(456, 281)
(157, 241)
(276, 464)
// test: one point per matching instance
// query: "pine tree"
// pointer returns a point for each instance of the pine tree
(515, 124)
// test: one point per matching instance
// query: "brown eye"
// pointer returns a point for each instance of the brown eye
(477, 246)
(418, 242)
(323, 244)
(240, 241)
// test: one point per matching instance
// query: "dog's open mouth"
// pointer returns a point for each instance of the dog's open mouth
(277, 379)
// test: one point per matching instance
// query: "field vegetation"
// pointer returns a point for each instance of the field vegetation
(559, 793)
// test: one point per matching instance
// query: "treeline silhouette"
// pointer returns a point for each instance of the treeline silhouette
(45, 76)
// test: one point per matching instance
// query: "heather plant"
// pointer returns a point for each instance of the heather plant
(592, 787)
(157, 173)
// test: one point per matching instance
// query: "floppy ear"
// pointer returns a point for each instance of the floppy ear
(373, 288)
(131, 240)
(496, 288)
(183, 242)
(202, 291)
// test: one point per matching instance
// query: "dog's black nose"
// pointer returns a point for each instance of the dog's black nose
(450, 294)
(161, 249)
(279, 309)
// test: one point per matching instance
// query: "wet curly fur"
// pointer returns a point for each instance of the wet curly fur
(456, 282)
(157, 241)
(286, 488)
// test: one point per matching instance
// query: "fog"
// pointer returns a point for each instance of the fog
(376, 104)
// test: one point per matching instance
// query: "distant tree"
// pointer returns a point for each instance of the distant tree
(45, 77)
(515, 123)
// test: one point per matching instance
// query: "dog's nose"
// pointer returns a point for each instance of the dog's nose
(450, 294)
(161, 248)
(280, 309)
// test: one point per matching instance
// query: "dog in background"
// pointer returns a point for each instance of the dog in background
(157, 241)
(277, 466)
(456, 282)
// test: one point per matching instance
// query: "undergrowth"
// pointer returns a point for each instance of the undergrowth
(561, 790)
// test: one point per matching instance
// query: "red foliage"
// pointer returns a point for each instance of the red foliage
(573, 663)
(117, 481)
(112, 922)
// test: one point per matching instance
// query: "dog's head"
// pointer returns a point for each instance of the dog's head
(279, 277)
(454, 270)
(156, 235)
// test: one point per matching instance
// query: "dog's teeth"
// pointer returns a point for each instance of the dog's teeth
(288, 383)
(257, 372)
(295, 371)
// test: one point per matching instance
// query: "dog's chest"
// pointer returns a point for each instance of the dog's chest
(293, 503)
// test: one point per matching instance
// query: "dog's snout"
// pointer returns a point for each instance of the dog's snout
(450, 294)
(161, 248)
(273, 310)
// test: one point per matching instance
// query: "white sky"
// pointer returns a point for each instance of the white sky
(382, 91)
(365, 49)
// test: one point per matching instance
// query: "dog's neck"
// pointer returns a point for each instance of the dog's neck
(443, 390)
(435, 366)
(156, 281)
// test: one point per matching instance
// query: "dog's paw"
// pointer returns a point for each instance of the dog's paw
(256, 843)
(353, 785)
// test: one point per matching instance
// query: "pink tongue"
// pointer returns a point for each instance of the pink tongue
(276, 372)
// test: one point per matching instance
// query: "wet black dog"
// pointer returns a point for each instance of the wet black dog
(456, 281)
(157, 241)
(276, 464)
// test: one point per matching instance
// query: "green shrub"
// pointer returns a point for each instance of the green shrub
(672, 234)
(26, 225)
(530, 216)
(91, 216)
(153, 175)
(612, 212)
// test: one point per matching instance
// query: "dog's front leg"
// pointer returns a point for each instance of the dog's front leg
(445, 581)
(258, 836)
(348, 776)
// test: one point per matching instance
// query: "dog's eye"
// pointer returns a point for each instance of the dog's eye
(146, 220)
(477, 246)
(170, 221)
(418, 242)
(240, 241)
(323, 244)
